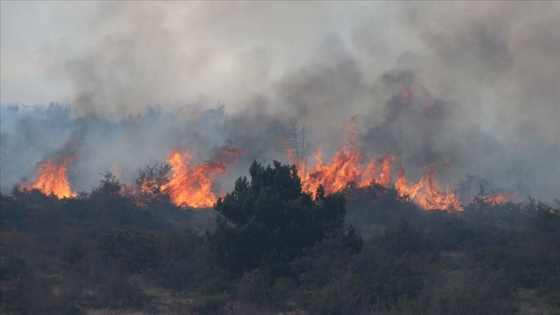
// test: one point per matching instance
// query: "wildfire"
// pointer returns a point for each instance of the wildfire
(427, 192)
(344, 167)
(500, 198)
(347, 166)
(192, 185)
(52, 178)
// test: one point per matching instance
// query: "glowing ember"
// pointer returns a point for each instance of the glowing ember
(501, 198)
(192, 185)
(52, 178)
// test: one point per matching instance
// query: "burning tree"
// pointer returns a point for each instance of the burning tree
(187, 184)
(150, 181)
(52, 178)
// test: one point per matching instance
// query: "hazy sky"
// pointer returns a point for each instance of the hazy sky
(117, 56)
(179, 51)
(497, 60)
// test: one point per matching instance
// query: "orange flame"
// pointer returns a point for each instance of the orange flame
(150, 187)
(347, 166)
(501, 198)
(52, 178)
(192, 186)
(498, 199)
(427, 192)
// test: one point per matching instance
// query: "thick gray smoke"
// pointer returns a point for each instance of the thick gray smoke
(473, 88)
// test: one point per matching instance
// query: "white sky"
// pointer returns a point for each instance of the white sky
(28, 28)
(38, 39)
(491, 58)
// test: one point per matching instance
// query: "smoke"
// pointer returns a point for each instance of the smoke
(471, 88)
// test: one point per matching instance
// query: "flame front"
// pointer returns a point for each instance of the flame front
(347, 166)
(192, 186)
(52, 178)
(427, 192)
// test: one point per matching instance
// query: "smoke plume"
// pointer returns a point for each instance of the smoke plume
(470, 88)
